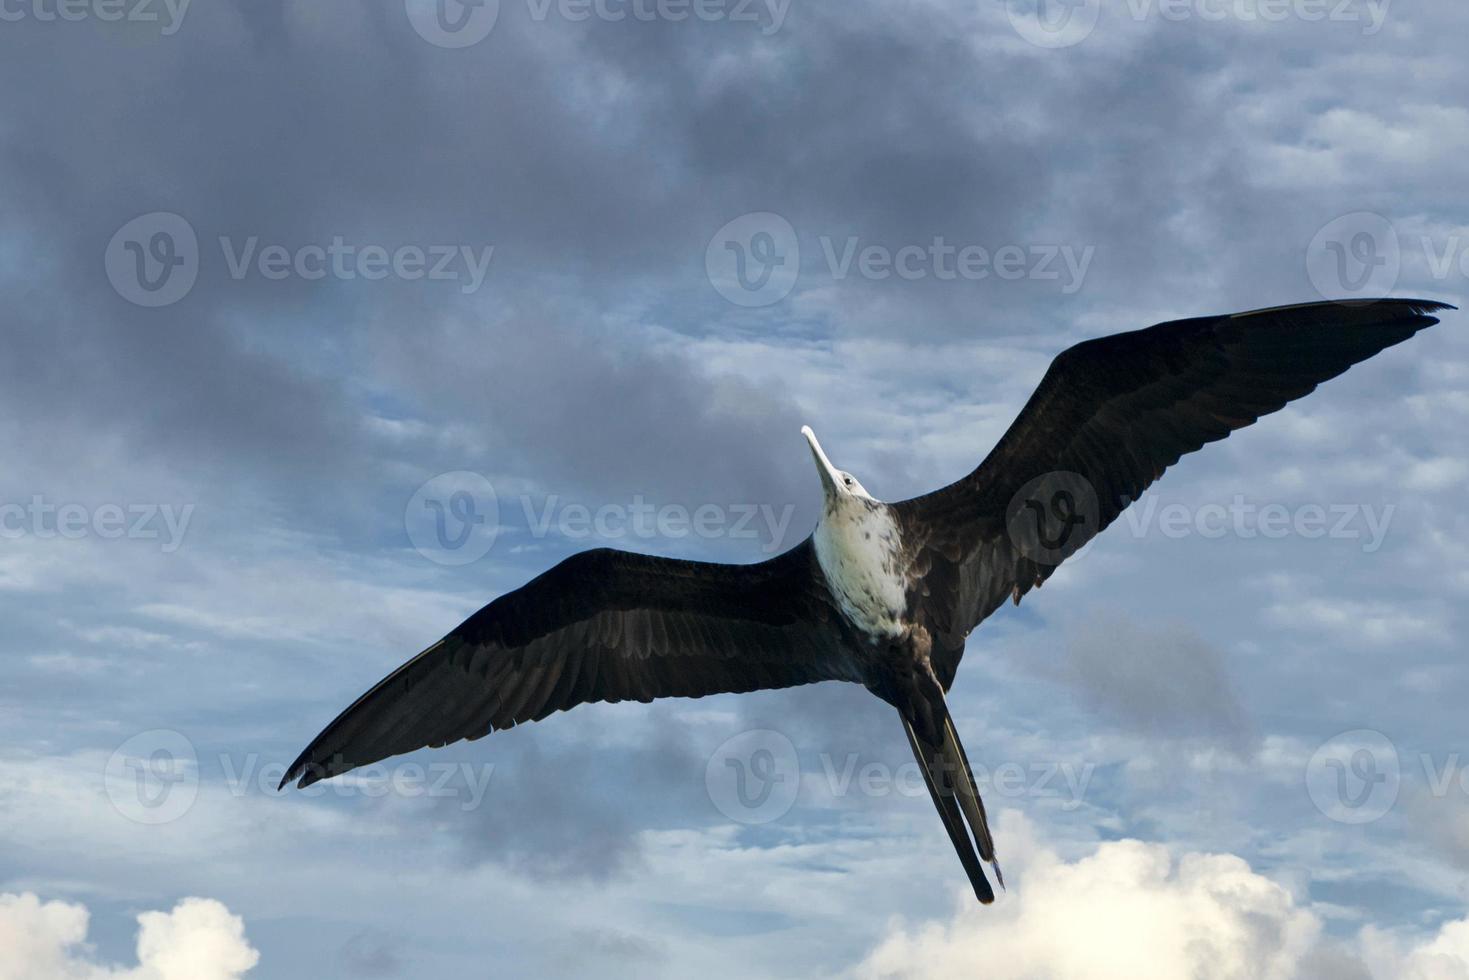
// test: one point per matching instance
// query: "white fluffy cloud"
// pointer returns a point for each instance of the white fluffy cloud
(1133, 909)
(1444, 957)
(199, 940)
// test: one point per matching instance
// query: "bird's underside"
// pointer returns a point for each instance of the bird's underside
(1107, 419)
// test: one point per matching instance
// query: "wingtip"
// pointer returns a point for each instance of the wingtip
(1423, 307)
(1426, 307)
(302, 772)
(301, 778)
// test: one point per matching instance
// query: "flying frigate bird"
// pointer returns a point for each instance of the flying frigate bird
(880, 594)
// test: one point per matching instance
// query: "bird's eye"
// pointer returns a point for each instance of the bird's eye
(847, 480)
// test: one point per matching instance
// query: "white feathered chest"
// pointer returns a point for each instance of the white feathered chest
(858, 548)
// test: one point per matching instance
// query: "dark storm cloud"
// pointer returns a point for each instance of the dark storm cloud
(562, 804)
(1156, 681)
(596, 158)
(412, 144)
(597, 414)
(237, 372)
(573, 185)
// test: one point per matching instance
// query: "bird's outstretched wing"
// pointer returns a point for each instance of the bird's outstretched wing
(1108, 417)
(603, 625)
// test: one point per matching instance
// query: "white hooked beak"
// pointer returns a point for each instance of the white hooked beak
(830, 480)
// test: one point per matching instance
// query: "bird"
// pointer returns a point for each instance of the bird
(880, 594)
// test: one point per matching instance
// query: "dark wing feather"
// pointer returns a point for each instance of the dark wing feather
(1114, 413)
(603, 625)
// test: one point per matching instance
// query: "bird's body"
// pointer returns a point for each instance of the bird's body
(862, 559)
(881, 594)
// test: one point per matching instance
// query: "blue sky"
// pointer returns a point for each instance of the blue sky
(283, 278)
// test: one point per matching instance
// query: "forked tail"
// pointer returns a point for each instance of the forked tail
(951, 784)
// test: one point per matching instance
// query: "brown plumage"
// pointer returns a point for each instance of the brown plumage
(602, 625)
(1108, 418)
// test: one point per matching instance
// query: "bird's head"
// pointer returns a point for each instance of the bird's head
(836, 484)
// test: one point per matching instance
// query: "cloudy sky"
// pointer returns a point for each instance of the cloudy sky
(327, 322)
